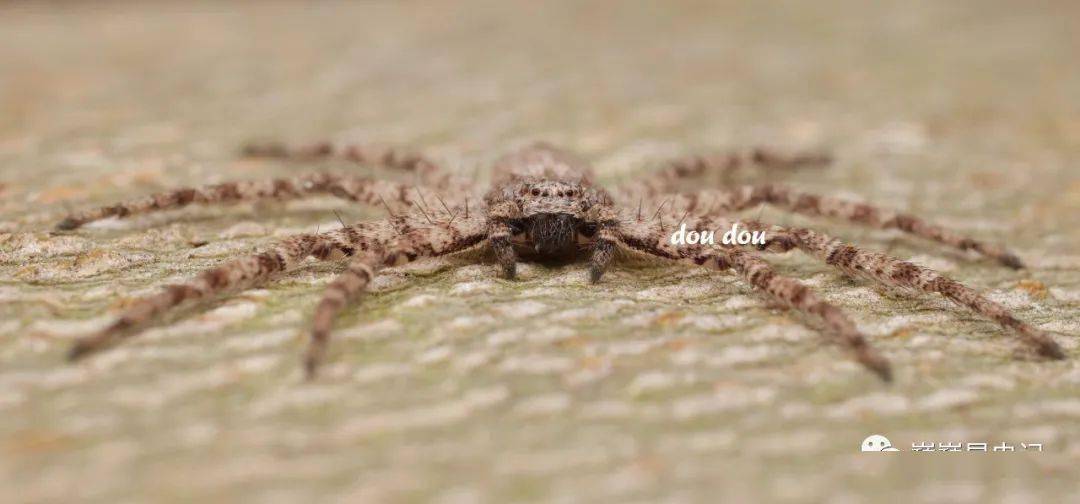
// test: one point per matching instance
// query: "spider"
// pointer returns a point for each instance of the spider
(544, 205)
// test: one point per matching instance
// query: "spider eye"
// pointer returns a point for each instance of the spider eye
(516, 227)
(587, 228)
(535, 192)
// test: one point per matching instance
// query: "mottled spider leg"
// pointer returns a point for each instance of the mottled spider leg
(237, 274)
(431, 241)
(726, 165)
(801, 298)
(499, 237)
(341, 291)
(864, 214)
(501, 230)
(894, 272)
(604, 243)
(379, 155)
(647, 237)
(352, 188)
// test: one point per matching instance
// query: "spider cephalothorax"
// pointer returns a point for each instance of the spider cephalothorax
(543, 204)
(545, 201)
(545, 217)
(548, 215)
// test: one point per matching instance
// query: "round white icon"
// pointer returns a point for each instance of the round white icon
(877, 443)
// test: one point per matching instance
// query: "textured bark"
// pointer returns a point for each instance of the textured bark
(659, 383)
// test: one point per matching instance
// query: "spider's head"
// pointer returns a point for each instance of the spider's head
(553, 213)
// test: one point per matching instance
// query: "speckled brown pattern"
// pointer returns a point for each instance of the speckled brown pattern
(544, 204)
(446, 383)
(349, 187)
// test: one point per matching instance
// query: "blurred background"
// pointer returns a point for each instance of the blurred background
(448, 385)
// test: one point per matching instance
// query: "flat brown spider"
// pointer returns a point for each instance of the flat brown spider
(543, 204)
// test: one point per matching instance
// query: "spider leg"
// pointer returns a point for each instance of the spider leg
(501, 230)
(603, 251)
(499, 235)
(353, 188)
(726, 165)
(424, 242)
(604, 244)
(894, 272)
(648, 238)
(863, 214)
(374, 154)
(242, 273)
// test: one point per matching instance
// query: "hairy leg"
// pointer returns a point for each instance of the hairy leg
(604, 243)
(360, 189)
(499, 235)
(603, 251)
(910, 277)
(725, 165)
(237, 274)
(741, 198)
(647, 237)
(501, 230)
(886, 270)
(424, 242)
(392, 157)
